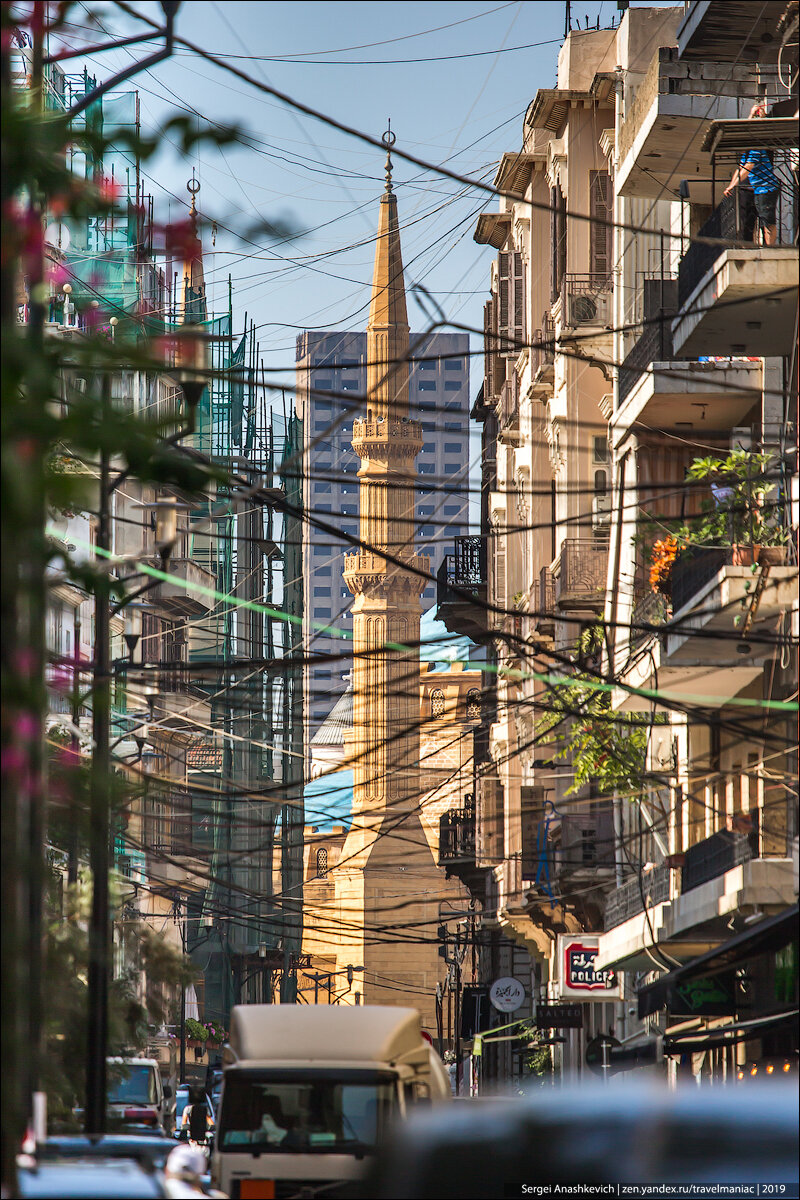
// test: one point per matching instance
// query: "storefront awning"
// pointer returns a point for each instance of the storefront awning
(695, 1040)
(768, 936)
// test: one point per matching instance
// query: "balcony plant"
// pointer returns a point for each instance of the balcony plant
(195, 1030)
(739, 514)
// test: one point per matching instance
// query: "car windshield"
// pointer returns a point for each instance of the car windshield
(181, 1100)
(304, 1113)
(135, 1085)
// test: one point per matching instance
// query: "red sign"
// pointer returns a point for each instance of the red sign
(427, 1037)
(578, 974)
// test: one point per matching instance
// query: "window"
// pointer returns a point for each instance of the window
(451, 510)
(427, 365)
(323, 408)
(600, 450)
(427, 406)
(600, 483)
(320, 508)
(600, 215)
(473, 705)
(322, 863)
(425, 531)
(319, 550)
(453, 404)
(428, 426)
(452, 447)
(427, 468)
(322, 487)
(322, 674)
(427, 385)
(322, 613)
(453, 427)
(349, 385)
(437, 704)
(429, 447)
(452, 385)
(425, 511)
(451, 468)
(349, 362)
(350, 530)
(350, 510)
(322, 591)
(454, 364)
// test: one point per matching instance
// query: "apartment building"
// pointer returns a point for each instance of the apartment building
(586, 445)
(330, 367)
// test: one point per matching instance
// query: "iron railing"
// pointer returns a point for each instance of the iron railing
(652, 609)
(714, 856)
(586, 300)
(629, 900)
(547, 597)
(457, 834)
(581, 572)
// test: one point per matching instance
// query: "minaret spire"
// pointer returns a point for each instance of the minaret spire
(389, 140)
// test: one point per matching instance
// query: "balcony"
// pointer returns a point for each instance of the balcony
(669, 117)
(545, 621)
(714, 856)
(664, 393)
(461, 588)
(457, 841)
(190, 590)
(543, 356)
(700, 656)
(579, 574)
(508, 430)
(741, 298)
(629, 900)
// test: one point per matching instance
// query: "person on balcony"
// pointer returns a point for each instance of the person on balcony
(756, 171)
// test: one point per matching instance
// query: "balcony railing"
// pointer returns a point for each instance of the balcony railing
(714, 856)
(734, 220)
(652, 609)
(693, 570)
(655, 341)
(509, 406)
(544, 344)
(629, 900)
(580, 572)
(466, 570)
(457, 835)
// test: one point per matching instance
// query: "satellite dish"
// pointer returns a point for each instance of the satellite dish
(57, 234)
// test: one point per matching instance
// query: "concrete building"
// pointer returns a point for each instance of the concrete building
(331, 386)
(632, 353)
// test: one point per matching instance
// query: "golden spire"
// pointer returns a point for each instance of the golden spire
(194, 287)
(388, 306)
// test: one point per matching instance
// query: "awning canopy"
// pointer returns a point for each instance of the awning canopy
(769, 935)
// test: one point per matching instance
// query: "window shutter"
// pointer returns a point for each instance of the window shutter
(600, 243)
(517, 302)
(532, 813)
(488, 349)
(504, 301)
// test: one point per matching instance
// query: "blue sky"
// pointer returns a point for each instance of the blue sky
(461, 110)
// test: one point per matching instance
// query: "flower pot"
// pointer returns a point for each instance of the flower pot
(772, 556)
(744, 555)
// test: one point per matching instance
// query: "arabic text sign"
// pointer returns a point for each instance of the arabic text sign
(507, 994)
(578, 978)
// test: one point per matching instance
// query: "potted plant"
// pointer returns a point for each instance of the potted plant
(196, 1033)
(738, 514)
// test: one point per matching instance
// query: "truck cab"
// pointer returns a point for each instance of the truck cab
(308, 1093)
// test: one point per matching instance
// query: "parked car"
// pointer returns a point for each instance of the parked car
(92, 1178)
(590, 1135)
(148, 1148)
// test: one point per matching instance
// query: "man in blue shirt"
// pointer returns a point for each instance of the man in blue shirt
(756, 170)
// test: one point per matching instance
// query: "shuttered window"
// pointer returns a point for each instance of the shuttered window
(511, 303)
(600, 244)
(558, 241)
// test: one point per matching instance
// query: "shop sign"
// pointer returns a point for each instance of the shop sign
(578, 978)
(711, 997)
(559, 1016)
(507, 994)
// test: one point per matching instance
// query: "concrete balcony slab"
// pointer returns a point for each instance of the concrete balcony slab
(745, 303)
(715, 396)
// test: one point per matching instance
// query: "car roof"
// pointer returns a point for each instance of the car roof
(89, 1179)
(149, 1147)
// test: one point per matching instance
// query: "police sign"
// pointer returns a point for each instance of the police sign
(578, 978)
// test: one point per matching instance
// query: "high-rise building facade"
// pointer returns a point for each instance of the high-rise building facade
(330, 367)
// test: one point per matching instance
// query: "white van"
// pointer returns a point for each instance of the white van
(308, 1093)
(137, 1095)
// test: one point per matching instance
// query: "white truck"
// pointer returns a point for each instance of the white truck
(309, 1091)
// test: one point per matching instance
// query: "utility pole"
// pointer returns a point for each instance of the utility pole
(73, 849)
(99, 825)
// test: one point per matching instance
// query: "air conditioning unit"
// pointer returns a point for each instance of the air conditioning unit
(601, 511)
(586, 308)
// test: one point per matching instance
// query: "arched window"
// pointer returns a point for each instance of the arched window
(437, 704)
(473, 705)
(322, 863)
(600, 483)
